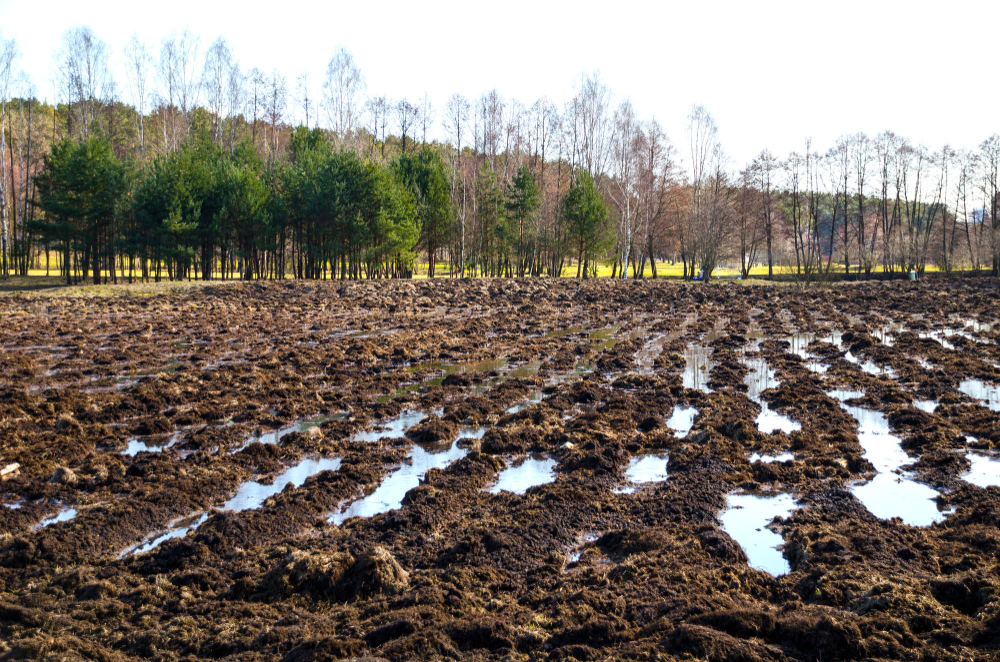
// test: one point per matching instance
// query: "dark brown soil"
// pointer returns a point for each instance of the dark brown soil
(570, 569)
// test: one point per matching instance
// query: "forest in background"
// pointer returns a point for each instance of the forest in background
(194, 168)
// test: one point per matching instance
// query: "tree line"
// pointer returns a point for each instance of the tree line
(203, 170)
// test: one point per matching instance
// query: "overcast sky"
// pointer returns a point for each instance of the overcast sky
(772, 73)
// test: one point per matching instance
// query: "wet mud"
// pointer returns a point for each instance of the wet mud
(502, 470)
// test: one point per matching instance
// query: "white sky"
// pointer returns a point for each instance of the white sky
(772, 73)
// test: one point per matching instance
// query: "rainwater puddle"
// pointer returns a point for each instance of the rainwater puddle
(389, 494)
(533, 399)
(929, 406)
(698, 367)
(682, 420)
(747, 519)
(65, 514)
(178, 529)
(798, 343)
(870, 367)
(583, 541)
(519, 478)
(650, 468)
(646, 357)
(760, 378)
(301, 425)
(138, 445)
(985, 470)
(892, 492)
(780, 457)
(250, 495)
(987, 394)
(393, 428)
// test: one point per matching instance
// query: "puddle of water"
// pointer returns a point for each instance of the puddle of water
(301, 425)
(835, 338)
(584, 540)
(985, 470)
(249, 495)
(747, 518)
(870, 367)
(527, 370)
(892, 492)
(178, 529)
(988, 394)
(647, 355)
(252, 494)
(682, 420)
(519, 478)
(929, 406)
(392, 428)
(533, 399)
(137, 445)
(755, 336)
(760, 378)
(780, 457)
(65, 514)
(650, 468)
(389, 494)
(938, 336)
(698, 368)
(924, 363)
(562, 333)
(798, 343)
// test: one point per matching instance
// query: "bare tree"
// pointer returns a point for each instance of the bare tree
(625, 143)
(343, 90)
(139, 62)
(218, 67)
(406, 117)
(710, 213)
(426, 117)
(277, 99)
(8, 52)
(456, 121)
(85, 76)
(302, 96)
(989, 164)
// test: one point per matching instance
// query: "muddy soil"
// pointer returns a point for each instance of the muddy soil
(144, 520)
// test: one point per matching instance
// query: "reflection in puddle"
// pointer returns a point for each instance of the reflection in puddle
(646, 357)
(301, 425)
(178, 529)
(530, 472)
(249, 495)
(252, 494)
(760, 378)
(392, 428)
(747, 518)
(985, 470)
(988, 394)
(682, 420)
(924, 363)
(583, 541)
(65, 514)
(892, 492)
(798, 343)
(533, 399)
(650, 468)
(780, 457)
(698, 367)
(149, 445)
(870, 367)
(929, 406)
(389, 494)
